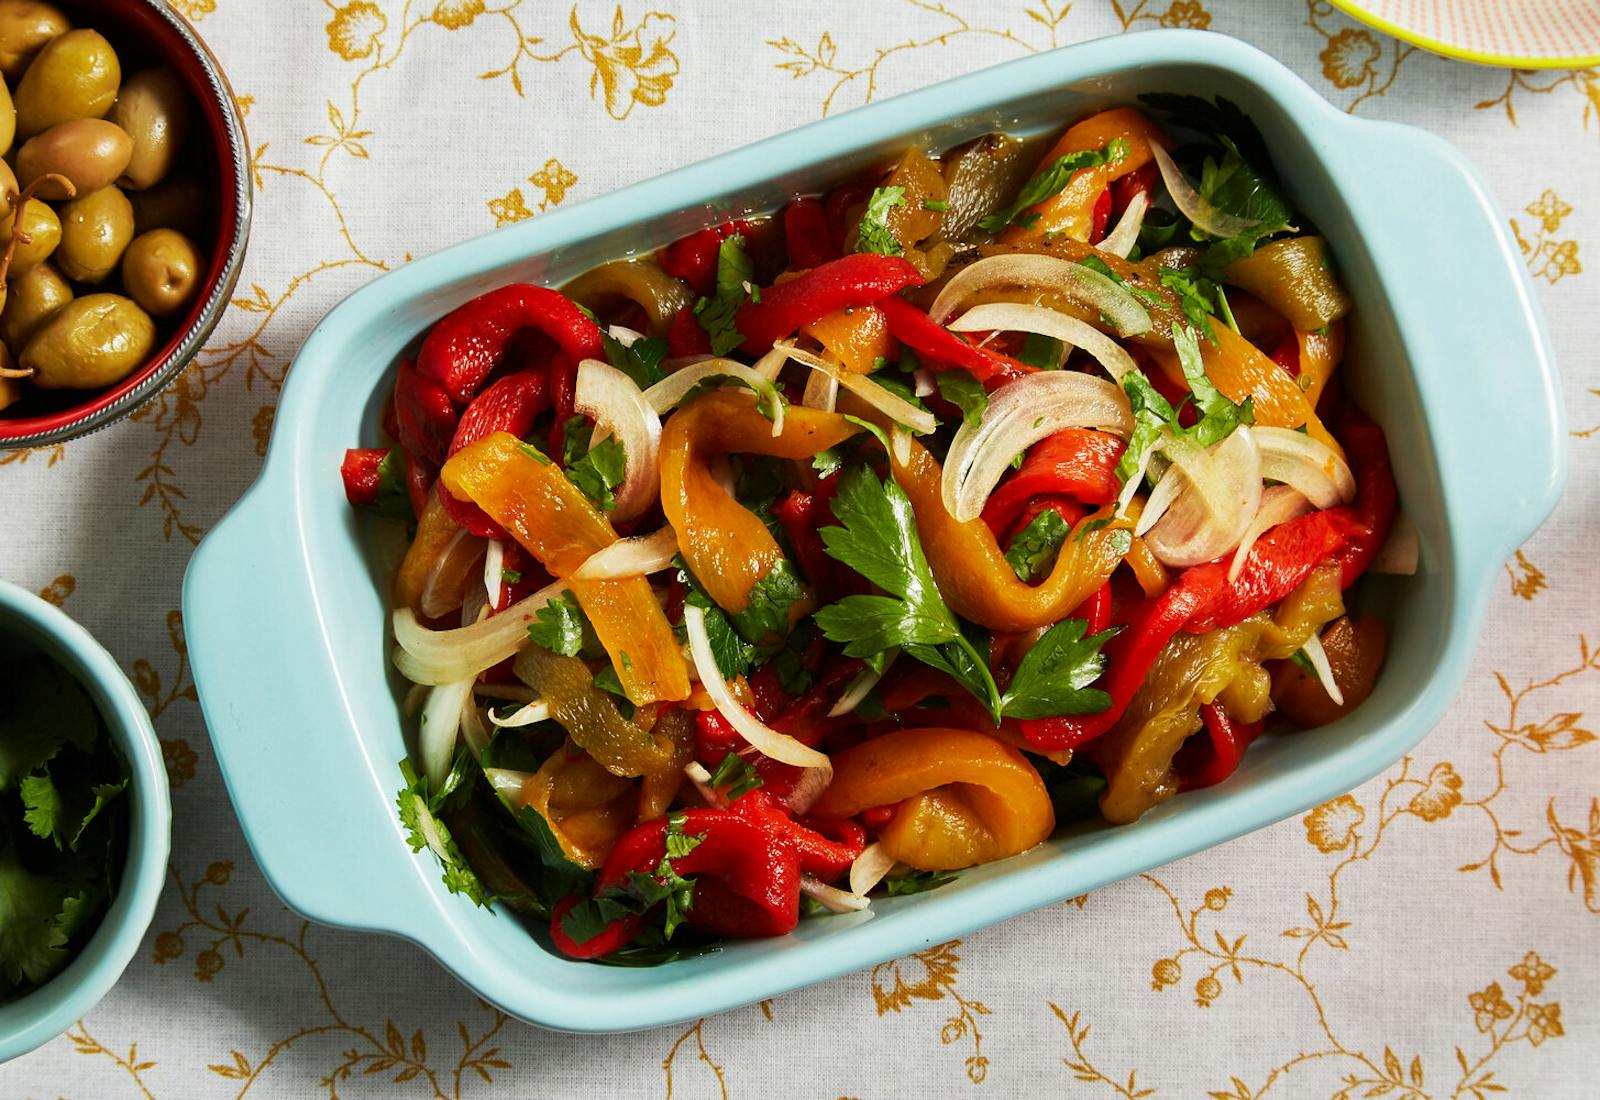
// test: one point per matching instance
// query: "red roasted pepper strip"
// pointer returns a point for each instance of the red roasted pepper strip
(1123, 188)
(1096, 610)
(694, 258)
(359, 470)
(802, 514)
(940, 348)
(1374, 505)
(1275, 566)
(685, 336)
(859, 279)
(616, 935)
(1129, 656)
(467, 344)
(1079, 462)
(818, 855)
(425, 419)
(1228, 740)
(808, 235)
(1100, 216)
(509, 404)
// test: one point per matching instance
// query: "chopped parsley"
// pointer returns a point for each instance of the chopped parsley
(1034, 549)
(964, 392)
(1042, 352)
(561, 627)
(640, 361)
(641, 893)
(596, 470)
(735, 776)
(1050, 182)
(873, 234)
(938, 206)
(735, 270)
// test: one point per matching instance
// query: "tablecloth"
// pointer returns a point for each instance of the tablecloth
(1435, 933)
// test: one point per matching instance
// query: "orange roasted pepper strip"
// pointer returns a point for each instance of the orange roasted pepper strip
(1320, 353)
(859, 336)
(1071, 211)
(727, 547)
(528, 495)
(1240, 369)
(972, 572)
(435, 529)
(964, 798)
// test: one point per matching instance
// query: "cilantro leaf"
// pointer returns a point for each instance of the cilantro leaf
(917, 882)
(735, 776)
(596, 470)
(735, 269)
(1034, 549)
(640, 360)
(964, 392)
(1052, 181)
(425, 830)
(42, 807)
(873, 233)
(878, 539)
(1054, 678)
(46, 710)
(1219, 416)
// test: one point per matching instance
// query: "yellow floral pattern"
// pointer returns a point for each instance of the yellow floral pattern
(1322, 939)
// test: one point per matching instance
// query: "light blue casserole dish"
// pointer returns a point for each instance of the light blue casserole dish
(286, 608)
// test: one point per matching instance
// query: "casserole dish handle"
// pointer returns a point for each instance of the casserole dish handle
(1469, 320)
(304, 791)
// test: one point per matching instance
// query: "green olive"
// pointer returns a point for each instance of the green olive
(25, 26)
(8, 188)
(42, 232)
(35, 298)
(90, 152)
(92, 342)
(95, 229)
(8, 119)
(74, 76)
(178, 203)
(161, 271)
(153, 107)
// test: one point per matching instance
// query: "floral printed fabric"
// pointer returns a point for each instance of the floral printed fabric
(1430, 934)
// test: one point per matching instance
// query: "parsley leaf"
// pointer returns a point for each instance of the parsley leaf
(1054, 677)
(878, 539)
(735, 776)
(964, 392)
(561, 627)
(789, 662)
(1034, 549)
(938, 206)
(716, 313)
(917, 882)
(1151, 414)
(558, 875)
(596, 470)
(394, 501)
(734, 655)
(1042, 352)
(766, 616)
(640, 361)
(873, 234)
(641, 893)
(828, 462)
(417, 805)
(1218, 415)
(1052, 181)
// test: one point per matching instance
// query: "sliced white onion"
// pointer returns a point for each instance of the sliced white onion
(1310, 465)
(507, 784)
(1106, 297)
(869, 868)
(864, 682)
(635, 557)
(766, 740)
(1019, 414)
(434, 600)
(526, 715)
(822, 391)
(1130, 488)
(1015, 317)
(627, 337)
(620, 409)
(416, 694)
(666, 394)
(807, 789)
(770, 365)
(1400, 551)
(428, 656)
(1189, 202)
(925, 385)
(494, 561)
(1120, 241)
(1214, 510)
(891, 405)
(1166, 490)
(441, 722)
(832, 898)
(900, 444)
(1279, 504)
(472, 727)
(1319, 662)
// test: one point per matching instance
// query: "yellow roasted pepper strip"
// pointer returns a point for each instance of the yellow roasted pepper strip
(964, 797)
(727, 547)
(586, 807)
(1320, 353)
(1071, 211)
(972, 572)
(528, 495)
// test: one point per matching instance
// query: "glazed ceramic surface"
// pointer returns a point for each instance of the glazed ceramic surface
(36, 1018)
(1524, 34)
(286, 601)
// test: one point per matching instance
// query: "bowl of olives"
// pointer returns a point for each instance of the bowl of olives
(124, 209)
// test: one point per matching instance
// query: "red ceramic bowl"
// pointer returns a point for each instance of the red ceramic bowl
(147, 33)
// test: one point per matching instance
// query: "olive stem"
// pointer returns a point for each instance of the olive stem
(18, 204)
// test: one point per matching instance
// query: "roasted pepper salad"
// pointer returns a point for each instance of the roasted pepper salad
(820, 556)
